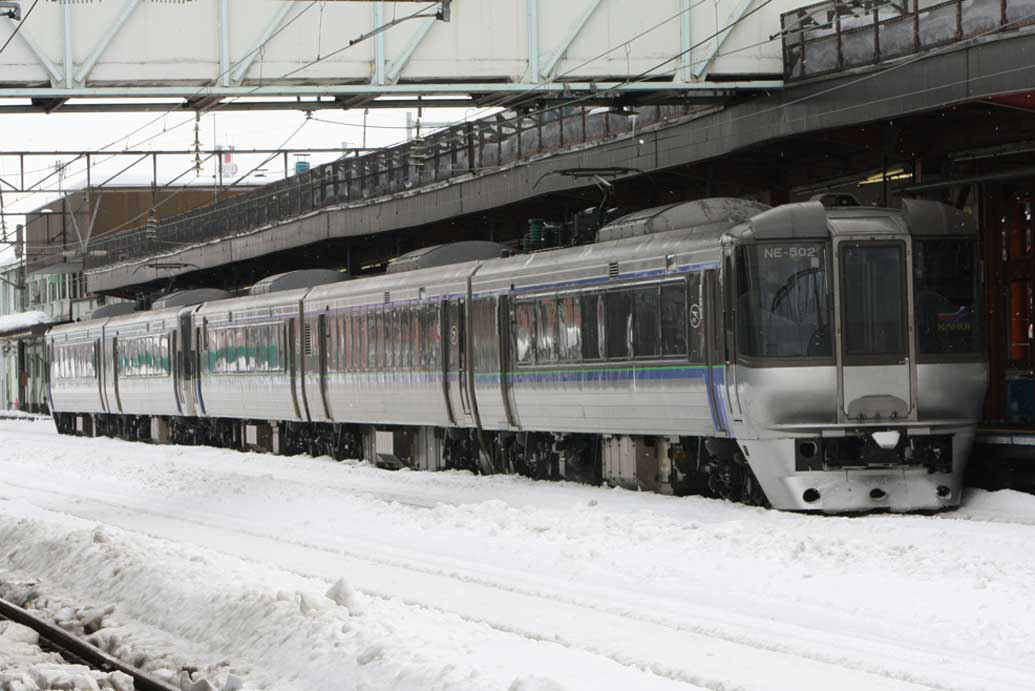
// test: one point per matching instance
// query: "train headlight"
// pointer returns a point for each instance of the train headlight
(886, 440)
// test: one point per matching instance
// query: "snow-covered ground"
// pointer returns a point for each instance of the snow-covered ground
(303, 574)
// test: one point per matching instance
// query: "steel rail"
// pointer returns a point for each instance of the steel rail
(77, 648)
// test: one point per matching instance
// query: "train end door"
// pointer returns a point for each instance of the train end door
(874, 308)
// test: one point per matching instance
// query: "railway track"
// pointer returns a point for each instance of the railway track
(76, 650)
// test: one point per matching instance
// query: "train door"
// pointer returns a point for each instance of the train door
(183, 364)
(175, 366)
(709, 310)
(314, 357)
(113, 361)
(728, 303)
(874, 313)
(453, 327)
(99, 371)
(201, 347)
(296, 370)
(503, 337)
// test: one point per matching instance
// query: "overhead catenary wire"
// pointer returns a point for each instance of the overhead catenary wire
(18, 28)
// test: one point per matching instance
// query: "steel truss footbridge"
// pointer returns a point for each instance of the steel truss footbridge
(90, 55)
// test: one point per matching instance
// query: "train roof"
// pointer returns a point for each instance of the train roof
(812, 220)
(701, 215)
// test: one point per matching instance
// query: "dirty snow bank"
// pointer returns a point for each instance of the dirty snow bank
(25, 667)
(202, 606)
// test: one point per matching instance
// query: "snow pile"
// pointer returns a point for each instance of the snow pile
(22, 320)
(174, 587)
(25, 667)
(300, 574)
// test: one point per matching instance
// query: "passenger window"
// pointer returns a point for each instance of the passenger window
(524, 330)
(359, 342)
(674, 318)
(546, 330)
(592, 334)
(569, 320)
(378, 338)
(249, 349)
(433, 338)
(415, 338)
(646, 322)
(242, 349)
(618, 323)
(346, 344)
(405, 334)
(397, 339)
(692, 317)
(371, 340)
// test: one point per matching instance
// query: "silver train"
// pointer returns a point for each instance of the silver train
(800, 357)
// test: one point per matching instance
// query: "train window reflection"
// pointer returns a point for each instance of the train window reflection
(674, 318)
(783, 308)
(592, 334)
(546, 333)
(946, 296)
(648, 334)
(569, 319)
(524, 331)
(618, 323)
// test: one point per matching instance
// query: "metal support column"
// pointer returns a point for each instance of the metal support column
(66, 12)
(379, 44)
(224, 42)
(534, 76)
(685, 41)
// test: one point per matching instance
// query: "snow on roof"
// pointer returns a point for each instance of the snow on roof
(22, 320)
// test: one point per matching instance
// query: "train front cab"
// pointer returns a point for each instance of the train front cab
(855, 375)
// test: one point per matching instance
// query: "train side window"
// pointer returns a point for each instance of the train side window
(166, 369)
(229, 351)
(248, 357)
(569, 323)
(546, 330)
(278, 356)
(242, 349)
(258, 338)
(433, 337)
(692, 317)
(378, 338)
(405, 336)
(345, 358)
(618, 319)
(415, 337)
(524, 332)
(591, 331)
(397, 338)
(674, 318)
(359, 349)
(389, 356)
(647, 329)
(371, 340)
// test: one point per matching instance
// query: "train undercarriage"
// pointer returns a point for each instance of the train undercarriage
(668, 465)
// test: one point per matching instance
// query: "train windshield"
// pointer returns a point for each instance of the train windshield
(945, 275)
(783, 305)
